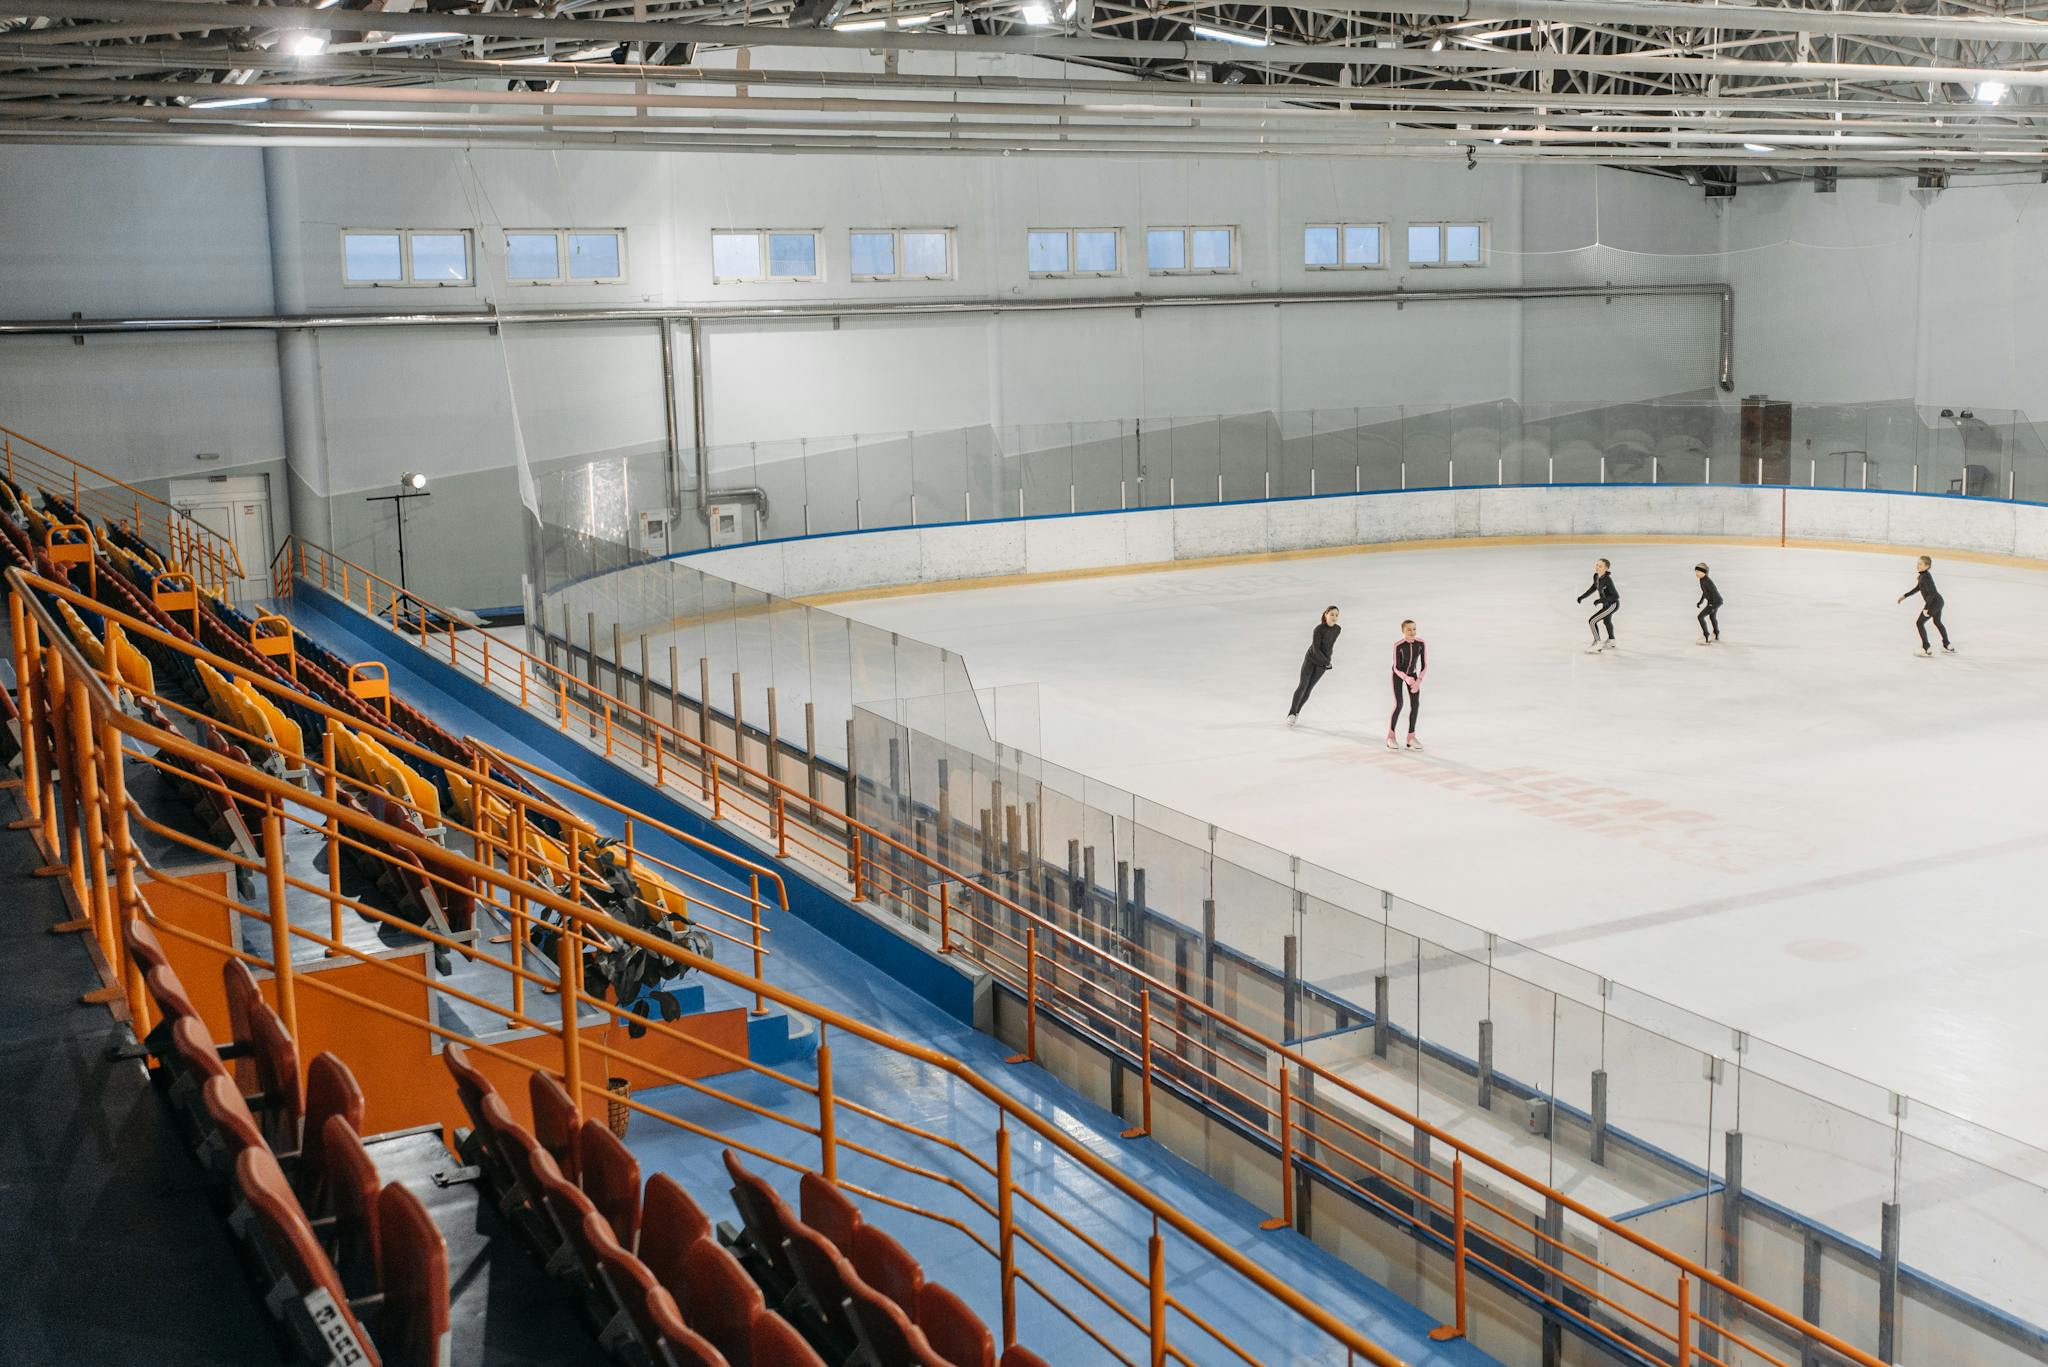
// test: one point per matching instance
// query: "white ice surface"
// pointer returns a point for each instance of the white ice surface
(1806, 831)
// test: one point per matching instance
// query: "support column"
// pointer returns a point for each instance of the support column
(298, 360)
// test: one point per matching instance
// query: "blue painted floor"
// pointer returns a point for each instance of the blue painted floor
(808, 962)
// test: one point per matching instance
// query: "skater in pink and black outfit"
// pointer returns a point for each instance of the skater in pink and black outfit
(1411, 662)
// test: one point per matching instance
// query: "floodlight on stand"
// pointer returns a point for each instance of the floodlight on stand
(412, 480)
(1991, 92)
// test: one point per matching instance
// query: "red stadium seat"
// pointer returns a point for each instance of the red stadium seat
(684, 1346)
(233, 1124)
(331, 1091)
(352, 1195)
(412, 1265)
(567, 1208)
(1016, 1355)
(822, 1273)
(776, 1344)
(767, 1219)
(502, 1172)
(244, 996)
(826, 1209)
(277, 1073)
(193, 1055)
(720, 1300)
(144, 946)
(471, 1086)
(290, 1243)
(555, 1122)
(670, 1221)
(955, 1332)
(626, 1277)
(888, 1267)
(171, 997)
(611, 1179)
(885, 1331)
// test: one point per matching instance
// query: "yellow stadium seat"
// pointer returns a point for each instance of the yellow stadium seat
(130, 664)
(95, 653)
(404, 782)
(283, 729)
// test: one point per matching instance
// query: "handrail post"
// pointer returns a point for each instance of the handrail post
(1030, 1054)
(280, 918)
(1144, 1128)
(125, 899)
(569, 976)
(1684, 1320)
(94, 897)
(718, 799)
(782, 827)
(32, 796)
(1006, 1230)
(1156, 1280)
(1456, 1328)
(754, 894)
(328, 786)
(1285, 1219)
(515, 864)
(828, 1138)
(854, 861)
(946, 921)
(487, 657)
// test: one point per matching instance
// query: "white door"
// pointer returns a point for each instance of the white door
(237, 510)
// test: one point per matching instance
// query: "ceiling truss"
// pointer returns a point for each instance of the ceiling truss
(1714, 93)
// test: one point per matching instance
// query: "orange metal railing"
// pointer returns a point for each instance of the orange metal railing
(211, 558)
(84, 736)
(1119, 996)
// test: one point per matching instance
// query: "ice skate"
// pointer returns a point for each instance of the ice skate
(1413, 744)
(1947, 649)
(1292, 719)
(1924, 653)
(1593, 649)
(1390, 741)
(1705, 642)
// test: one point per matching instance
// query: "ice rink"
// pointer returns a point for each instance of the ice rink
(1806, 831)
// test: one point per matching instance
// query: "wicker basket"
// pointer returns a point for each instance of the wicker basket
(617, 1112)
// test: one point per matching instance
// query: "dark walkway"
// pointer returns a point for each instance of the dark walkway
(112, 1253)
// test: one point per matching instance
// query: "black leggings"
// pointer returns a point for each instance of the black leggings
(1311, 673)
(1931, 613)
(1605, 613)
(1711, 616)
(1414, 706)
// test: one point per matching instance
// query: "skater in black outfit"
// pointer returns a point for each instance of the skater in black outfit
(1321, 647)
(1709, 606)
(1411, 662)
(1931, 603)
(1610, 603)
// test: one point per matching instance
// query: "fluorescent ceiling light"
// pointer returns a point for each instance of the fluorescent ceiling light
(913, 21)
(1758, 147)
(861, 25)
(1991, 92)
(240, 102)
(409, 39)
(1224, 35)
(305, 44)
(1035, 13)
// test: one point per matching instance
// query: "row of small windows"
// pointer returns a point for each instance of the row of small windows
(597, 256)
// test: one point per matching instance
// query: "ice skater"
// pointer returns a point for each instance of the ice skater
(1610, 603)
(1931, 603)
(1322, 646)
(1709, 606)
(1411, 662)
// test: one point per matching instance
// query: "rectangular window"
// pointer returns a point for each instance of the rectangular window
(406, 256)
(1190, 251)
(1074, 251)
(541, 256)
(1447, 244)
(1342, 246)
(902, 253)
(764, 254)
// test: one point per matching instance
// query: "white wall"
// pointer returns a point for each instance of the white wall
(1884, 291)
(112, 232)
